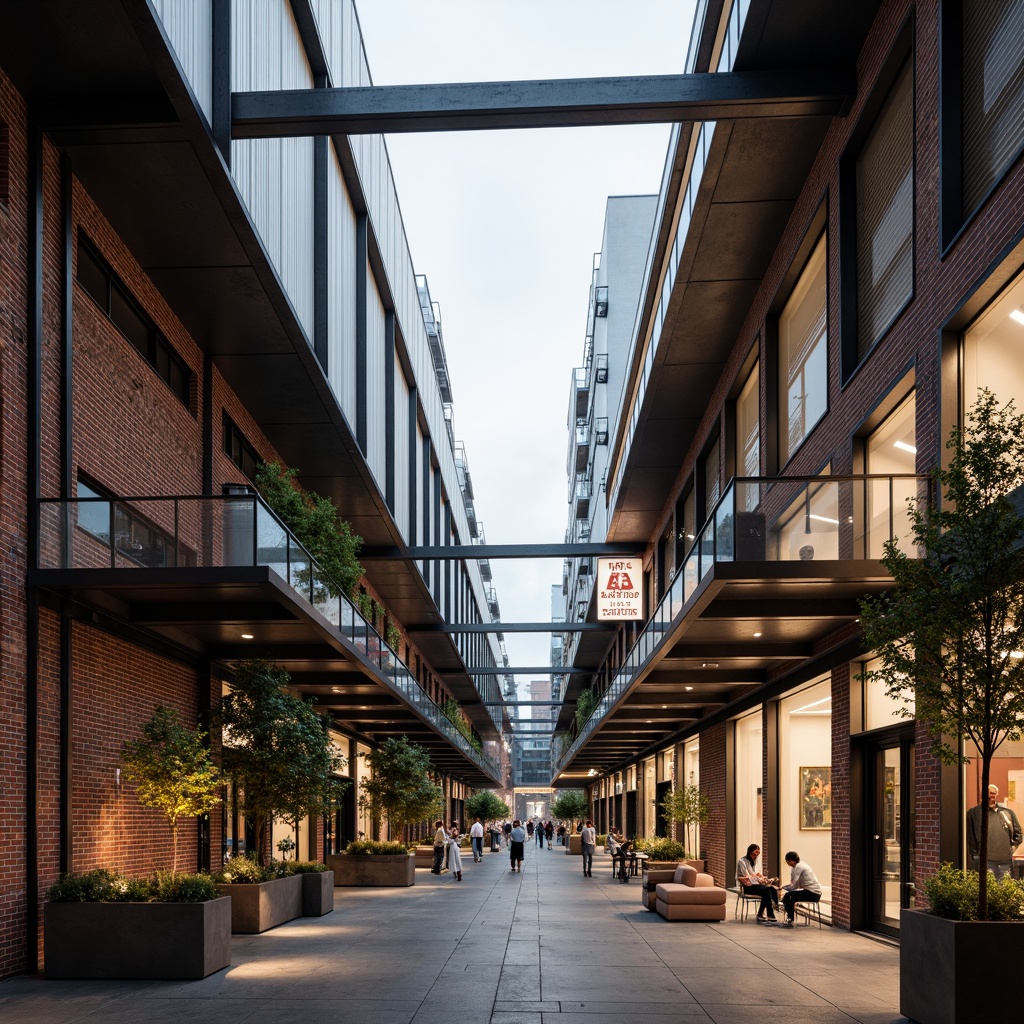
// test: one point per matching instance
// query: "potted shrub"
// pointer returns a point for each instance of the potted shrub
(262, 896)
(947, 635)
(102, 925)
(374, 863)
(486, 806)
(690, 807)
(571, 806)
(317, 886)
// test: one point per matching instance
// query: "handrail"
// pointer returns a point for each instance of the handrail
(766, 519)
(182, 531)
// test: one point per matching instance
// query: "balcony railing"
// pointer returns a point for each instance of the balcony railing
(220, 531)
(771, 519)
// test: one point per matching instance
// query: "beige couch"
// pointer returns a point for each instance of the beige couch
(690, 896)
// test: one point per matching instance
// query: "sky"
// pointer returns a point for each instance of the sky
(505, 226)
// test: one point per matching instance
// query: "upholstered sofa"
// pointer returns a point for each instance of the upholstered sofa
(691, 895)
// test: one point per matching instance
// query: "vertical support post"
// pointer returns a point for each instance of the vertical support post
(362, 286)
(221, 75)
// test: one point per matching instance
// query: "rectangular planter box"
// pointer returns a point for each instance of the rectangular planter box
(317, 893)
(255, 907)
(424, 856)
(955, 971)
(373, 869)
(137, 940)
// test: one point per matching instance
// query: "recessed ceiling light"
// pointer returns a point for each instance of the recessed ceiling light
(664, 707)
(709, 664)
(689, 688)
(1018, 315)
(337, 689)
(904, 447)
(247, 636)
(757, 634)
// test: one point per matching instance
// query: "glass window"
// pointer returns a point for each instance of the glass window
(803, 356)
(748, 439)
(93, 277)
(993, 93)
(885, 215)
(93, 516)
(712, 479)
(892, 449)
(994, 348)
(748, 786)
(131, 323)
(881, 710)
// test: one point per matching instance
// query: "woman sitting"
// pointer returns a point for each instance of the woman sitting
(752, 883)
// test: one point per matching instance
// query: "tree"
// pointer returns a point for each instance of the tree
(487, 806)
(172, 769)
(400, 790)
(690, 807)
(950, 632)
(279, 753)
(570, 805)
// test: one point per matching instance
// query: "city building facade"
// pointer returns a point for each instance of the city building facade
(822, 299)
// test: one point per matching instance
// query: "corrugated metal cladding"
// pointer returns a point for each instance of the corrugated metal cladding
(341, 295)
(401, 449)
(189, 27)
(275, 176)
(376, 384)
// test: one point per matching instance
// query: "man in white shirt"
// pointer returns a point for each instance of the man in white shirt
(588, 841)
(440, 841)
(803, 887)
(476, 839)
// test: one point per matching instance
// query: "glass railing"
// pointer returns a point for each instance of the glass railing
(219, 531)
(771, 519)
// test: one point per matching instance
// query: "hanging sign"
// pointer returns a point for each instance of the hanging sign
(619, 590)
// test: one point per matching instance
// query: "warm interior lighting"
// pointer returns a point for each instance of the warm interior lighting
(337, 689)
(1018, 315)
(904, 447)
(808, 709)
(688, 688)
(823, 519)
(247, 636)
(757, 634)
(709, 664)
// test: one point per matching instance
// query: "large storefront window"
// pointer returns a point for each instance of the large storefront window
(993, 347)
(805, 779)
(749, 782)
(891, 450)
(1007, 772)
(748, 437)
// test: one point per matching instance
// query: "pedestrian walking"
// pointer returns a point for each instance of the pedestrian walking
(440, 840)
(476, 840)
(455, 851)
(518, 841)
(588, 841)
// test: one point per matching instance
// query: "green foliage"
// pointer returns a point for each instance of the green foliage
(285, 846)
(570, 805)
(314, 522)
(105, 886)
(688, 806)
(306, 867)
(172, 770)
(661, 848)
(586, 705)
(281, 757)
(953, 894)
(946, 630)
(452, 710)
(365, 847)
(393, 636)
(487, 806)
(602, 838)
(244, 870)
(399, 790)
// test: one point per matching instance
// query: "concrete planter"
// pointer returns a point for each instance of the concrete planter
(424, 856)
(317, 893)
(137, 940)
(958, 970)
(258, 906)
(373, 869)
(575, 847)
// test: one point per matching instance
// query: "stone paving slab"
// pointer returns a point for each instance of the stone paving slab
(535, 947)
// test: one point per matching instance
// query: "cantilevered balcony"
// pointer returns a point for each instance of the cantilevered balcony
(582, 492)
(771, 584)
(222, 578)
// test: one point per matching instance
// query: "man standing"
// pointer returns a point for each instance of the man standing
(1004, 834)
(588, 841)
(476, 839)
(440, 841)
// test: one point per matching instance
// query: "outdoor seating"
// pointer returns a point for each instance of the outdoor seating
(690, 896)
(744, 899)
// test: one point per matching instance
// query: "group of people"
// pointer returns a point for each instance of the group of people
(448, 847)
(803, 887)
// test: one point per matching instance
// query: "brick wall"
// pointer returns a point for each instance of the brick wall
(841, 859)
(713, 782)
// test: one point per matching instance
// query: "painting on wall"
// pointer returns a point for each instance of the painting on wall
(816, 798)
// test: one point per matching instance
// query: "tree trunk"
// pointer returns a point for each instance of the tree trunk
(986, 765)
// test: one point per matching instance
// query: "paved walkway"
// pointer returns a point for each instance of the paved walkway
(530, 948)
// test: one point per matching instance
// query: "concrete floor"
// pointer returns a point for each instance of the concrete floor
(502, 948)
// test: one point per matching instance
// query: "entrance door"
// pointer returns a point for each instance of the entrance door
(890, 830)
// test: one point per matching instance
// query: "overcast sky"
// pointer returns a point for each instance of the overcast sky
(505, 225)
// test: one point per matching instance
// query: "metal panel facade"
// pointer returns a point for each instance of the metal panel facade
(376, 453)
(341, 297)
(189, 27)
(401, 449)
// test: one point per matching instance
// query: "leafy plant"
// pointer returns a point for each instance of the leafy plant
(487, 806)
(281, 757)
(285, 846)
(365, 847)
(185, 888)
(948, 632)
(105, 886)
(953, 893)
(400, 790)
(314, 521)
(661, 848)
(586, 705)
(306, 867)
(452, 710)
(393, 636)
(243, 870)
(570, 805)
(172, 770)
(688, 806)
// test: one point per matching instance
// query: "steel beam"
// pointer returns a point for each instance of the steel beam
(549, 103)
(533, 670)
(479, 552)
(514, 627)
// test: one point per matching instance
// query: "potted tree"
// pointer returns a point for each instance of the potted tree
(283, 764)
(690, 807)
(949, 636)
(102, 925)
(399, 792)
(571, 806)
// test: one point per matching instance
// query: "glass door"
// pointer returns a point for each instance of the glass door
(890, 834)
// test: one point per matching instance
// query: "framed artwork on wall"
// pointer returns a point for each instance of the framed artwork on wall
(816, 798)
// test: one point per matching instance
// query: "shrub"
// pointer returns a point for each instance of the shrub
(602, 838)
(661, 848)
(953, 894)
(243, 870)
(184, 888)
(104, 886)
(306, 867)
(364, 847)
(88, 887)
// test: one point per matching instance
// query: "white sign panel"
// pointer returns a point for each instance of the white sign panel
(619, 589)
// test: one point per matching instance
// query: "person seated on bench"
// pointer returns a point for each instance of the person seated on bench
(625, 854)
(753, 883)
(803, 887)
